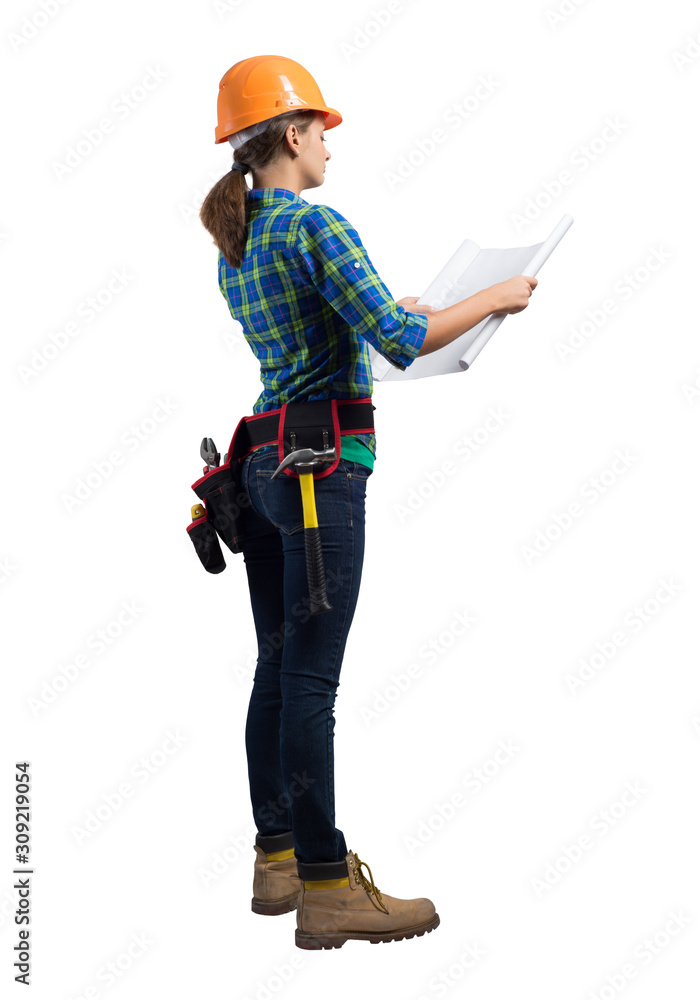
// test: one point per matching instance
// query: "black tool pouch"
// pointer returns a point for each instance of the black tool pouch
(310, 424)
(224, 499)
(206, 543)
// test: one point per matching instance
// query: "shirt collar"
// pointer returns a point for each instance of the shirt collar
(266, 196)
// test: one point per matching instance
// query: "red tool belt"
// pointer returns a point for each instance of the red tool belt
(314, 424)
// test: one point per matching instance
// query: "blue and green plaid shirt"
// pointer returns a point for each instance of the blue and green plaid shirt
(310, 301)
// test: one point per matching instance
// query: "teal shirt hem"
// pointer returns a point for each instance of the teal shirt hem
(354, 450)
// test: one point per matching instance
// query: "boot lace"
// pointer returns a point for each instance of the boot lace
(361, 879)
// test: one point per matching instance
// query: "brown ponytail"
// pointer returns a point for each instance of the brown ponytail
(223, 211)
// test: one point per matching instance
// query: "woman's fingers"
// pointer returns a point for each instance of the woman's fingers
(409, 303)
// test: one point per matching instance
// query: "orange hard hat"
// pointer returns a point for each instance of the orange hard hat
(264, 87)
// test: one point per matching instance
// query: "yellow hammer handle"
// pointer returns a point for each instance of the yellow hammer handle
(308, 500)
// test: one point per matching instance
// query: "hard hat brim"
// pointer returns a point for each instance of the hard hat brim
(222, 132)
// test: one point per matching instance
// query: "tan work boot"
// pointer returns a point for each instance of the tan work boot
(333, 911)
(276, 883)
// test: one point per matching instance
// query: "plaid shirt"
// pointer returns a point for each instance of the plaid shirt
(310, 301)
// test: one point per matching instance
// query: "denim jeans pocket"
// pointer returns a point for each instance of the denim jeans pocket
(280, 500)
(356, 470)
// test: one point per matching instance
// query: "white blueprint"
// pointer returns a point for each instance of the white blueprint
(468, 271)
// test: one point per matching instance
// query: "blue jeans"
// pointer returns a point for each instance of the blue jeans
(290, 722)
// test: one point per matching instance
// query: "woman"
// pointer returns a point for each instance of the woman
(298, 279)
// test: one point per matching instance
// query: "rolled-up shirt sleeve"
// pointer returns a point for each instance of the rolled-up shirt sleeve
(338, 266)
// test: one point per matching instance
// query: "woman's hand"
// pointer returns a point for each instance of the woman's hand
(513, 295)
(411, 300)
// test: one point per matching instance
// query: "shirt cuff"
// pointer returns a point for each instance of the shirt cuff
(414, 333)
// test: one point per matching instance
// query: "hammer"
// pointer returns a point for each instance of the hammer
(303, 460)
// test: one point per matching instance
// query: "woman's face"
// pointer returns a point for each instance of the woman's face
(315, 153)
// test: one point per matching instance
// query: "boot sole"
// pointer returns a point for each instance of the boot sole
(277, 906)
(312, 942)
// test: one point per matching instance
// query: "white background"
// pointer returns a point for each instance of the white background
(497, 868)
